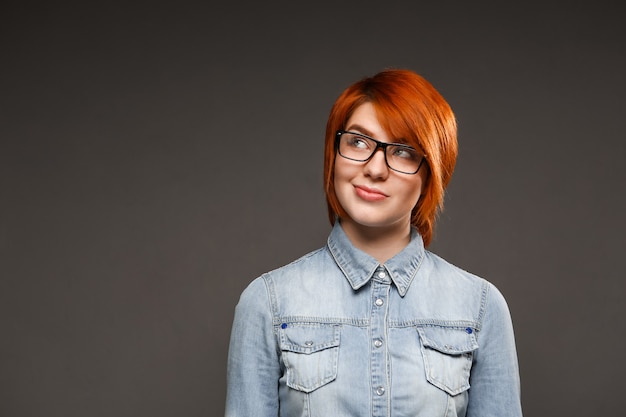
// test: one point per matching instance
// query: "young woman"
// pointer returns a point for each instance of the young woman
(373, 324)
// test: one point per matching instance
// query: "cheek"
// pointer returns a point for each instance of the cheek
(417, 188)
(342, 173)
(339, 183)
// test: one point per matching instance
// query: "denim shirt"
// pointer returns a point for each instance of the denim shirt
(336, 334)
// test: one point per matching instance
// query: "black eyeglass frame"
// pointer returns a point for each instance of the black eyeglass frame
(379, 144)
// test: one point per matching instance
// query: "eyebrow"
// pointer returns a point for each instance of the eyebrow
(367, 132)
(360, 129)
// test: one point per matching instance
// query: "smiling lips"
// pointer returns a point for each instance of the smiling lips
(369, 194)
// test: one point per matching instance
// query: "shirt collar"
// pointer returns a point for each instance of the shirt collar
(359, 267)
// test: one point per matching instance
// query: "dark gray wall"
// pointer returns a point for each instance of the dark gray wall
(156, 158)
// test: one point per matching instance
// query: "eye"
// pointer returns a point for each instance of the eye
(404, 153)
(357, 142)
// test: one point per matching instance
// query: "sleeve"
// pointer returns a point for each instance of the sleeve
(494, 381)
(253, 368)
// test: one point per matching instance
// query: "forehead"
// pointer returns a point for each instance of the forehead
(365, 119)
(391, 122)
(369, 120)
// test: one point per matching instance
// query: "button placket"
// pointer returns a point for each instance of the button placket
(378, 355)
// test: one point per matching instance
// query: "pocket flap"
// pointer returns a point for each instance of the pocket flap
(449, 340)
(308, 339)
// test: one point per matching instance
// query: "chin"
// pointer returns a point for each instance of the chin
(373, 222)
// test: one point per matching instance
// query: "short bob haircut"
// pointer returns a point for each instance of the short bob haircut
(410, 109)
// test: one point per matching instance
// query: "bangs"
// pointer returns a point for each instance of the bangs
(398, 124)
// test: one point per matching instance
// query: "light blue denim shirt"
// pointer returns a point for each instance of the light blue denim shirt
(336, 334)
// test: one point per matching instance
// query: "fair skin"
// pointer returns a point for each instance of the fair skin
(378, 200)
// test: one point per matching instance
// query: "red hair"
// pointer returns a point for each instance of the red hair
(410, 108)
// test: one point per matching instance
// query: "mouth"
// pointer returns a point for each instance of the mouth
(369, 194)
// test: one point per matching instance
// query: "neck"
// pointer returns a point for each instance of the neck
(381, 243)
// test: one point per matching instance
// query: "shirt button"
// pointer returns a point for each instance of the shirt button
(381, 274)
(379, 302)
(380, 391)
(378, 343)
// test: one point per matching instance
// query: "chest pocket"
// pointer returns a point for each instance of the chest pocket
(448, 356)
(310, 353)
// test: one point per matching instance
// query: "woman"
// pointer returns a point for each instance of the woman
(372, 324)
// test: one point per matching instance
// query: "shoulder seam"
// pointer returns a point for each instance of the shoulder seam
(486, 286)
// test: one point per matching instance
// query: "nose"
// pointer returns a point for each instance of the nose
(376, 166)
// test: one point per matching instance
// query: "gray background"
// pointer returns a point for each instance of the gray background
(155, 158)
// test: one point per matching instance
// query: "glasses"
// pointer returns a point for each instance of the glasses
(358, 147)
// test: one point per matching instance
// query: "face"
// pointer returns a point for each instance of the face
(373, 195)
